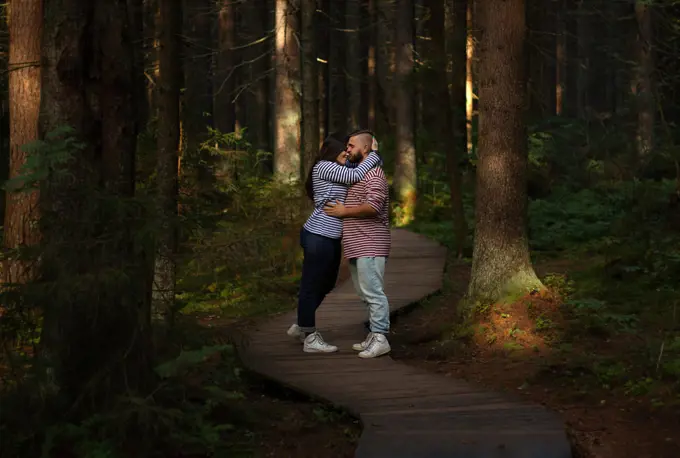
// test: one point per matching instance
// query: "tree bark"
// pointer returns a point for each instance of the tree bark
(576, 75)
(136, 18)
(257, 55)
(323, 36)
(21, 212)
(353, 60)
(151, 56)
(224, 77)
(366, 87)
(560, 56)
(542, 32)
(470, 67)
(338, 112)
(643, 88)
(405, 174)
(384, 66)
(501, 266)
(197, 100)
(371, 79)
(310, 85)
(167, 161)
(450, 21)
(98, 281)
(287, 105)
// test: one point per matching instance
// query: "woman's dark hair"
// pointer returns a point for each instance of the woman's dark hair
(330, 149)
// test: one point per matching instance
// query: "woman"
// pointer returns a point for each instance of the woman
(328, 180)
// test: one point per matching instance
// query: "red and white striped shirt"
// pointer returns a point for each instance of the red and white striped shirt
(366, 237)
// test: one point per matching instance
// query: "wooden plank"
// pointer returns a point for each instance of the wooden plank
(406, 412)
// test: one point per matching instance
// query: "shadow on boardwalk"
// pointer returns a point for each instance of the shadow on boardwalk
(406, 412)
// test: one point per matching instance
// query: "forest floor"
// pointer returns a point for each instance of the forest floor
(599, 372)
(270, 420)
(612, 409)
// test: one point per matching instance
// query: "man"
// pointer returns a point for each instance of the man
(366, 243)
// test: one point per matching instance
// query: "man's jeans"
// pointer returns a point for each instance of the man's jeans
(319, 274)
(368, 275)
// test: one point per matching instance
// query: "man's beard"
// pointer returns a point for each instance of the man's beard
(357, 157)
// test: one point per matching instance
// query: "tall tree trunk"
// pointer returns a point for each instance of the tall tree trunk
(384, 67)
(310, 84)
(197, 100)
(353, 61)
(469, 74)
(422, 75)
(501, 265)
(541, 81)
(21, 212)
(136, 13)
(548, 44)
(449, 27)
(4, 131)
(323, 36)
(167, 161)
(560, 56)
(578, 39)
(367, 92)
(646, 110)
(534, 59)
(151, 19)
(371, 79)
(91, 265)
(287, 105)
(256, 55)
(338, 112)
(224, 77)
(405, 174)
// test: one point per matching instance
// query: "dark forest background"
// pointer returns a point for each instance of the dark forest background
(153, 153)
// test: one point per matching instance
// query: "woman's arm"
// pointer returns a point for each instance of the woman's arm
(351, 165)
(374, 148)
(337, 173)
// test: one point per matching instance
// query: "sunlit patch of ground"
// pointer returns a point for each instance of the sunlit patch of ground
(532, 348)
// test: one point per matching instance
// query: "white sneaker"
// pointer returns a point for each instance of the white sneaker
(314, 343)
(362, 346)
(377, 346)
(296, 333)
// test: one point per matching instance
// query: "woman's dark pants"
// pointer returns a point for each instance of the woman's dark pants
(319, 273)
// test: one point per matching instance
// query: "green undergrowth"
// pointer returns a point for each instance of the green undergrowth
(248, 263)
(204, 404)
(610, 254)
(239, 257)
(192, 409)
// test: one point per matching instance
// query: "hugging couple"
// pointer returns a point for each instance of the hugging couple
(351, 199)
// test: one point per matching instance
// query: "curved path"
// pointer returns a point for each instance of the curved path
(406, 412)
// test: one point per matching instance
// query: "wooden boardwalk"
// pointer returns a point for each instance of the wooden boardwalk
(406, 412)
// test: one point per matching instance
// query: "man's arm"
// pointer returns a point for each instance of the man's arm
(339, 210)
(376, 196)
(360, 211)
(377, 192)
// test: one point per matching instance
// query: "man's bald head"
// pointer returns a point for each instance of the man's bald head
(363, 139)
(359, 145)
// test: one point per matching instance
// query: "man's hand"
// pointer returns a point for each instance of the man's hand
(374, 145)
(336, 209)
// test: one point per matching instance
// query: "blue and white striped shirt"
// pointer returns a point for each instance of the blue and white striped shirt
(330, 182)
